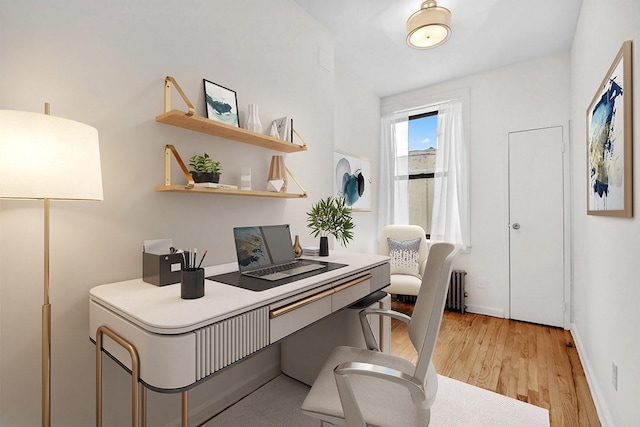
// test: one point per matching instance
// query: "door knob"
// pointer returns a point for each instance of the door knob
(516, 226)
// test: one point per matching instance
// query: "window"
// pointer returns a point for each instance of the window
(439, 196)
(422, 160)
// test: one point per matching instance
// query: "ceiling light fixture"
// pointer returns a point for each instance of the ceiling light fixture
(429, 27)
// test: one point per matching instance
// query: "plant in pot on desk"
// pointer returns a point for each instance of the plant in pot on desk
(204, 168)
(330, 216)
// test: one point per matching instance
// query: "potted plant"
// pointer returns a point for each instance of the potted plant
(204, 168)
(330, 216)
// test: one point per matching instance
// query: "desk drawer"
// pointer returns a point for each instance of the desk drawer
(295, 316)
(347, 293)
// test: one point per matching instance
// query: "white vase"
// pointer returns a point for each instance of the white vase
(253, 120)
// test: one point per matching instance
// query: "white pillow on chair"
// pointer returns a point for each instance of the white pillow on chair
(404, 256)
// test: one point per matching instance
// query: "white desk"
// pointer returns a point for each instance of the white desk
(181, 342)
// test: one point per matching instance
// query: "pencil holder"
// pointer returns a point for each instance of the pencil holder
(192, 283)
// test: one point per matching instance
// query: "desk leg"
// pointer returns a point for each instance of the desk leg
(185, 409)
(135, 373)
(143, 407)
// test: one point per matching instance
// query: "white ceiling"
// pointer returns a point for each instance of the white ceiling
(370, 38)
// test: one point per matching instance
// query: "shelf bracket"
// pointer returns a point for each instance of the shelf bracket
(304, 192)
(304, 143)
(167, 96)
(168, 150)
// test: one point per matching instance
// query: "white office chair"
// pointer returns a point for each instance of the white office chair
(357, 387)
(404, 281)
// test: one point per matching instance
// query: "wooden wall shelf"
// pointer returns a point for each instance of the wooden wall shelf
(228, 192)
(200, 124)
(188, 120)
(190, 187)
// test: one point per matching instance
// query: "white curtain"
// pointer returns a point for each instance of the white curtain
(450, 217)
(393, 201)
(450, 220)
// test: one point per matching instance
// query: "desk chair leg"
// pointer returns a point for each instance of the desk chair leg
(185, 409)
(135, 373)
(385, 326)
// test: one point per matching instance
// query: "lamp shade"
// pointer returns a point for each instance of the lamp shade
(429, 27)
(48, 157)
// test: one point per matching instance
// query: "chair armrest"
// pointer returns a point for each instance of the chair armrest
(352, 412)
(389, 313)
(369, 338)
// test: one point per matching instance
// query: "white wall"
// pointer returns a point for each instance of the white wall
(104, 63)
(605, 270)
(357, 130)
(523, 96)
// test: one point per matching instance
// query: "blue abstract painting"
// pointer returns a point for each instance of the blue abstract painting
(606, 143)
(353, 180)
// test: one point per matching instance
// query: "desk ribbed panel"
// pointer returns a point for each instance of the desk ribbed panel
(230, 340)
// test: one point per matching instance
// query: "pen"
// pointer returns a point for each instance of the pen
(202, 259)
(193, 264)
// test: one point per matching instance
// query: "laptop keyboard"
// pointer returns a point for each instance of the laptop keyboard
(275, 269)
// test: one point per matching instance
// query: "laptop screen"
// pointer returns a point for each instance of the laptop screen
(262, 246)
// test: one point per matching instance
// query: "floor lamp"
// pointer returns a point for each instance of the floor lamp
(48, 158)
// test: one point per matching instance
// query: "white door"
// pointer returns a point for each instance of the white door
(536, 231)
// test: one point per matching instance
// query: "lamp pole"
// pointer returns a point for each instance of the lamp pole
(46, 328)
(46, 318)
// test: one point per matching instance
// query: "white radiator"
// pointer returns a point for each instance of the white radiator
(230, 340)
(456, 295)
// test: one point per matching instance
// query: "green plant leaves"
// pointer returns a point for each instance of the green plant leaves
(204, 163)
(331, 216)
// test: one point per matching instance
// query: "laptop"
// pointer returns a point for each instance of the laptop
(266, 252)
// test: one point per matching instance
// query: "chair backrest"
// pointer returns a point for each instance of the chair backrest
(427, 313)
(401, 233)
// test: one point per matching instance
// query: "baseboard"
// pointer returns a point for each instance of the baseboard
(488, 311)
(598, 400)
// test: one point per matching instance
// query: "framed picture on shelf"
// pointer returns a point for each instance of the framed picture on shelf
(609, 141)
(221, 103)
(353, 180)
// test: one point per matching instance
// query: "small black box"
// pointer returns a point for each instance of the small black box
(162, 270)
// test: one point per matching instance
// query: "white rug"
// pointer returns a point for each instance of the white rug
(277, 403)
(459, 404)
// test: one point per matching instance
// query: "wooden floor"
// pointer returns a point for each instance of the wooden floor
(532, 363)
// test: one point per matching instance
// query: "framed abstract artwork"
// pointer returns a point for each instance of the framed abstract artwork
(610, 140)
(221, 103)
(352, 180)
